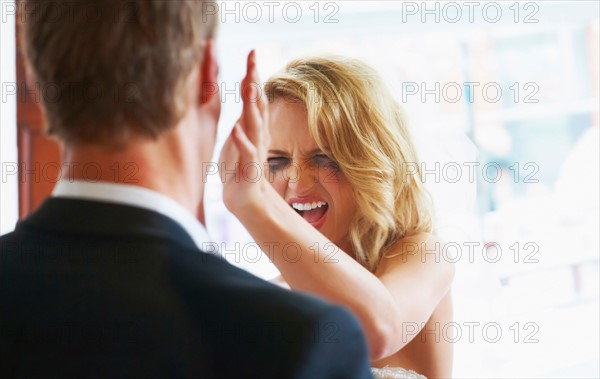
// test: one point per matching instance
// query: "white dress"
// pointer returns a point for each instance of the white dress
(395, 373)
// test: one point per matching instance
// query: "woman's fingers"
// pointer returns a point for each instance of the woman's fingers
(261, 101)
(251, 167)
(228, 157)
(244, 153)
(245, 147)
(248, 169)
(239, 156)
(251, 97)
(262, 106)
(253, 120)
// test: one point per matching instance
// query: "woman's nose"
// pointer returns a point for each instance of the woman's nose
(302, 179)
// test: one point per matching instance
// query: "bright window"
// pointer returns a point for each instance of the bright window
(521, 81)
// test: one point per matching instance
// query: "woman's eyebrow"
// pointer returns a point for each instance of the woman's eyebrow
(311, 153)
(278, 152)
(314, 152)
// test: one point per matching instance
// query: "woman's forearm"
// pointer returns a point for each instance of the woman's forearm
(308, 263)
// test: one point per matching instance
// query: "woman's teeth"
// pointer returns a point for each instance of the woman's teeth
(308, 206)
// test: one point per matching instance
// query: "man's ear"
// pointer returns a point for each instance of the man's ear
(209, 86)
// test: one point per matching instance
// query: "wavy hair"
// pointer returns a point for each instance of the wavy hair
(354, 119)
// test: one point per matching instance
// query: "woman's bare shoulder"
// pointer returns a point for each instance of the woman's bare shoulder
(417, 250)
(412, 244)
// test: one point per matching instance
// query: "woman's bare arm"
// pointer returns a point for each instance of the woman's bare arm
(406, 288)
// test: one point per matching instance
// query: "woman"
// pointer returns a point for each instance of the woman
(343, 217)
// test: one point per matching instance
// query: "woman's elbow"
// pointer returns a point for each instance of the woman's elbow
(384, 341)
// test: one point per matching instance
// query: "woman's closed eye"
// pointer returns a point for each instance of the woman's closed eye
(277, 163)
(323, 161)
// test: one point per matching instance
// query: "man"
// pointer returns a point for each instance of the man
(107, 278)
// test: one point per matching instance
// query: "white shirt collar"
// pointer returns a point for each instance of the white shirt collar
(137, 197)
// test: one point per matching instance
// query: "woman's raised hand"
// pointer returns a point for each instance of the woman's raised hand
(242, 164)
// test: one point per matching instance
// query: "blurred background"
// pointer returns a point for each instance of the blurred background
(502, 99)
(504, 91)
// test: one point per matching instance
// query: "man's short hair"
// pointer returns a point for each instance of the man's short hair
(108, 70)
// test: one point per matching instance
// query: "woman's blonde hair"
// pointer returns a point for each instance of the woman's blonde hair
(354, 119)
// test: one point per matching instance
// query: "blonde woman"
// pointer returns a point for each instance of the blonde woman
(339, 212)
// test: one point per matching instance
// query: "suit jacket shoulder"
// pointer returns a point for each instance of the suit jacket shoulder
(106, 290)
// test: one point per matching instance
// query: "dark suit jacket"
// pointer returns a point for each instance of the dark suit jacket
(92, 289)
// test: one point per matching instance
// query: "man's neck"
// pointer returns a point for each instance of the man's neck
(153, 165)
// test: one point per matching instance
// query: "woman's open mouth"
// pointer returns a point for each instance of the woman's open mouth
(314, 211)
